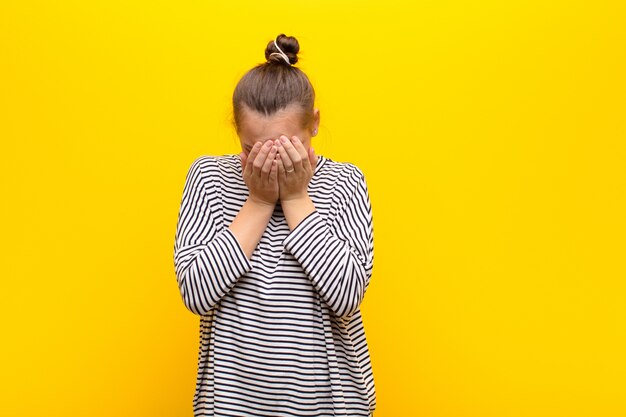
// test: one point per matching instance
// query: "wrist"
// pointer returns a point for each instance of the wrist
(260, 204)
(297, 199)
(296, 209)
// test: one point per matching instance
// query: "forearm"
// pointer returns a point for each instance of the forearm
(207, 271)
(297, 209)
(338, 266)
(250, 223)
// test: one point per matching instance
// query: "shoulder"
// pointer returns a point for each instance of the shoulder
(207, 167)
(345, 174)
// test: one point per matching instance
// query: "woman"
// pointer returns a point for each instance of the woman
(274, 251)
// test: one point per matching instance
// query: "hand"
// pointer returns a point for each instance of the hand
(293, 156)
(260, 172)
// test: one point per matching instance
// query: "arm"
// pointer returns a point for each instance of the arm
(207, 260)
(259, 170)
(337, 255)
(250, 223)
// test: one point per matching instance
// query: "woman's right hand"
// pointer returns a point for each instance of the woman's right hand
(260, 172)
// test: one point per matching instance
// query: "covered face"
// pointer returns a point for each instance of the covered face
(256, 127)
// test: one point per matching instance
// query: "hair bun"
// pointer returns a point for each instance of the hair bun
(288, 44)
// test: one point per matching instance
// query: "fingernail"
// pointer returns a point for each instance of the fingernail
(283, 139)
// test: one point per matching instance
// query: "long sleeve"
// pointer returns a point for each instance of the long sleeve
(338, 254)
(208, 260)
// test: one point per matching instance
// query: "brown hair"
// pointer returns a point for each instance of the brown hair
(275, 84)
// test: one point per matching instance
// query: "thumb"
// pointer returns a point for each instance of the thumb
(243, 158)
(312, 158)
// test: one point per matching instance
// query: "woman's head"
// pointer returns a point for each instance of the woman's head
(275, 98)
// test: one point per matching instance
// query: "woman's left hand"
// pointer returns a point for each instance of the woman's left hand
(295, 168)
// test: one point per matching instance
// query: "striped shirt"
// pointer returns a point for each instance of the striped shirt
(281, 333)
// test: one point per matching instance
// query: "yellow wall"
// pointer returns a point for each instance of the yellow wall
(492, 135)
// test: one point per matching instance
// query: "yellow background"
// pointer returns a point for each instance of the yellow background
(492, 136)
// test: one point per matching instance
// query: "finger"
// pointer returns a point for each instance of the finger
(284, 156)
(267, 165)
(312, 158)
(251, 157)
(292, 152)
(274, 171)
(242, 159)
(259, 161)
(281, 167)
(299, 146)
